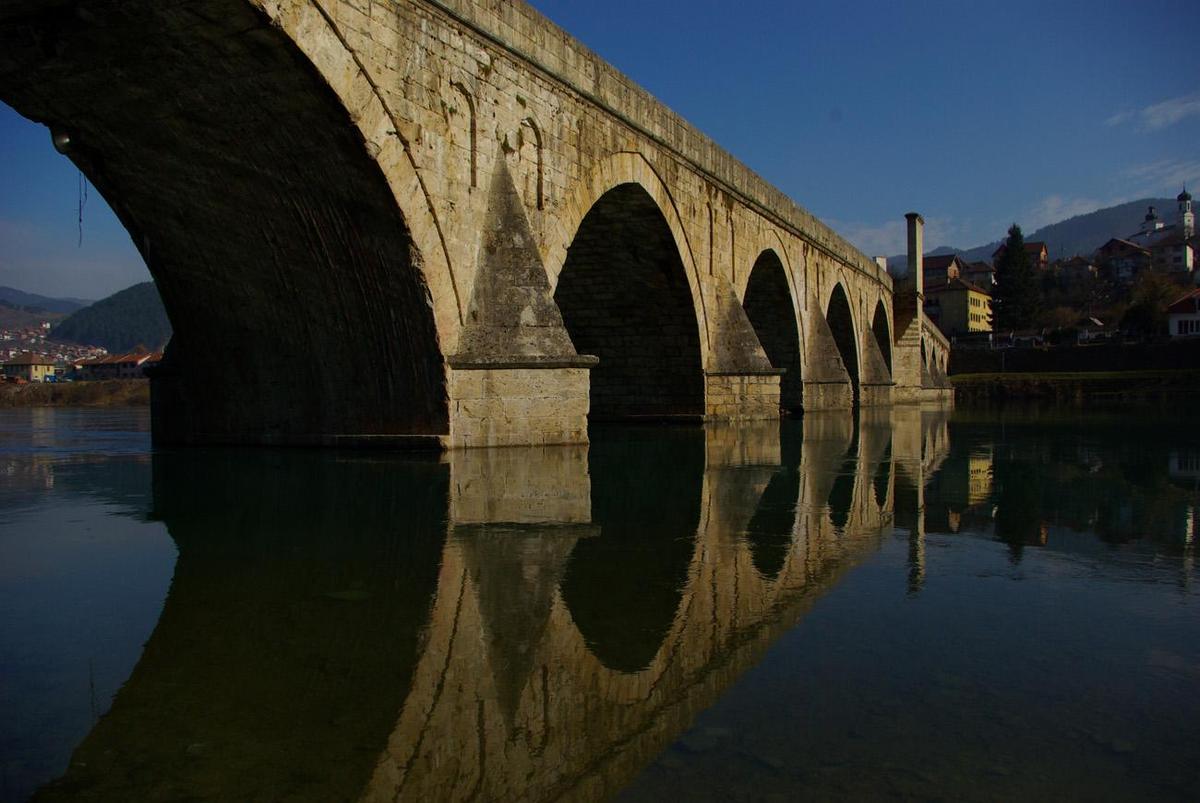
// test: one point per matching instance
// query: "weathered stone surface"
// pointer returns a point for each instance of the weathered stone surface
(735, 347)
(518, 406)
(826, 383)
(512, 314)
(339, 200)
(877, 382)
(742, 397)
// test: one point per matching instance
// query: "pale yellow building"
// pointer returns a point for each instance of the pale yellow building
(958, 306)
(979, 474)
(30, 367)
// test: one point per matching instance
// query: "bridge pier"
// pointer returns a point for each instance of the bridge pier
(752, 396)
(876, 387)
(519, 404)
(740, 383)
(517, 379)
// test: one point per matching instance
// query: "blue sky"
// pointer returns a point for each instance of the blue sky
(975, 114)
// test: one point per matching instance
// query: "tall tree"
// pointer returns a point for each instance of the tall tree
(1017, 296)
(1152, 294)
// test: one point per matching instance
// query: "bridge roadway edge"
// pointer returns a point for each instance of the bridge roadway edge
(838, 249)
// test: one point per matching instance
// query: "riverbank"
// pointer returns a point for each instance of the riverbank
(105, 393)
(1121, 387)
(1098, 358)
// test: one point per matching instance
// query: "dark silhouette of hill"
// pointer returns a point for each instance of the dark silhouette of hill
(133, 317)
(32, 302)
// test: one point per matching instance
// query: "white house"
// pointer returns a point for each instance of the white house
(1183, 316)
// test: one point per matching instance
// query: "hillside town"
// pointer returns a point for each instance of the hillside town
(29, 367)
(36, 341)
(1142, 286)
(29, 355)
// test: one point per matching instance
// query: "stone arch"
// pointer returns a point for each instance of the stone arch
(771, 307)
(841, 323)
(385, 136)
(289, 236)
(625, 167)
(881, 327)
(625, 298)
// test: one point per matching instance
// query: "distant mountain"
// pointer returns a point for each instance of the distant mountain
(1082, 234)
(14, 316)
(32, 302)
(133, 317)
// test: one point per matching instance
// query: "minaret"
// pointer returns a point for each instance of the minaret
(1187, 218)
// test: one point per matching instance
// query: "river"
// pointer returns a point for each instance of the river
(914, 604)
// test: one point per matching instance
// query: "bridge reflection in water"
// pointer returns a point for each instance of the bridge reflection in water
(521, 623)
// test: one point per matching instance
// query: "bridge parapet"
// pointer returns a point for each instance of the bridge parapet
(527, 34)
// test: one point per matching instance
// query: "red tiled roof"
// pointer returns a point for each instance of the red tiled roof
(135, 358)
(1186, 304)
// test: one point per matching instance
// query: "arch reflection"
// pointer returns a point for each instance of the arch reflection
(289, 634)
(501, 624)
(624, 586)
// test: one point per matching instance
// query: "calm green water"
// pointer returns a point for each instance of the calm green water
(916, 604)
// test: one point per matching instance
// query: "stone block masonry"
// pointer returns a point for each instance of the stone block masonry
(518, 406)
(741, 397)
(420, 218)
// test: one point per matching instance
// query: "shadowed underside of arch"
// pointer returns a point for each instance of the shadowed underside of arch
(883, 334)
(841, 324)
(768, 305)
(292, 284)
(625, 298)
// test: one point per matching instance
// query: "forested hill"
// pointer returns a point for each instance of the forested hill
(1080, 235)
(1083, 234)
(133, 317)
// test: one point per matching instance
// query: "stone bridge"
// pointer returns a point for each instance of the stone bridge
(512, 624)
(443, 222)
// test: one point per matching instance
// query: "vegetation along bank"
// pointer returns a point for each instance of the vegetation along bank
(108, 393)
